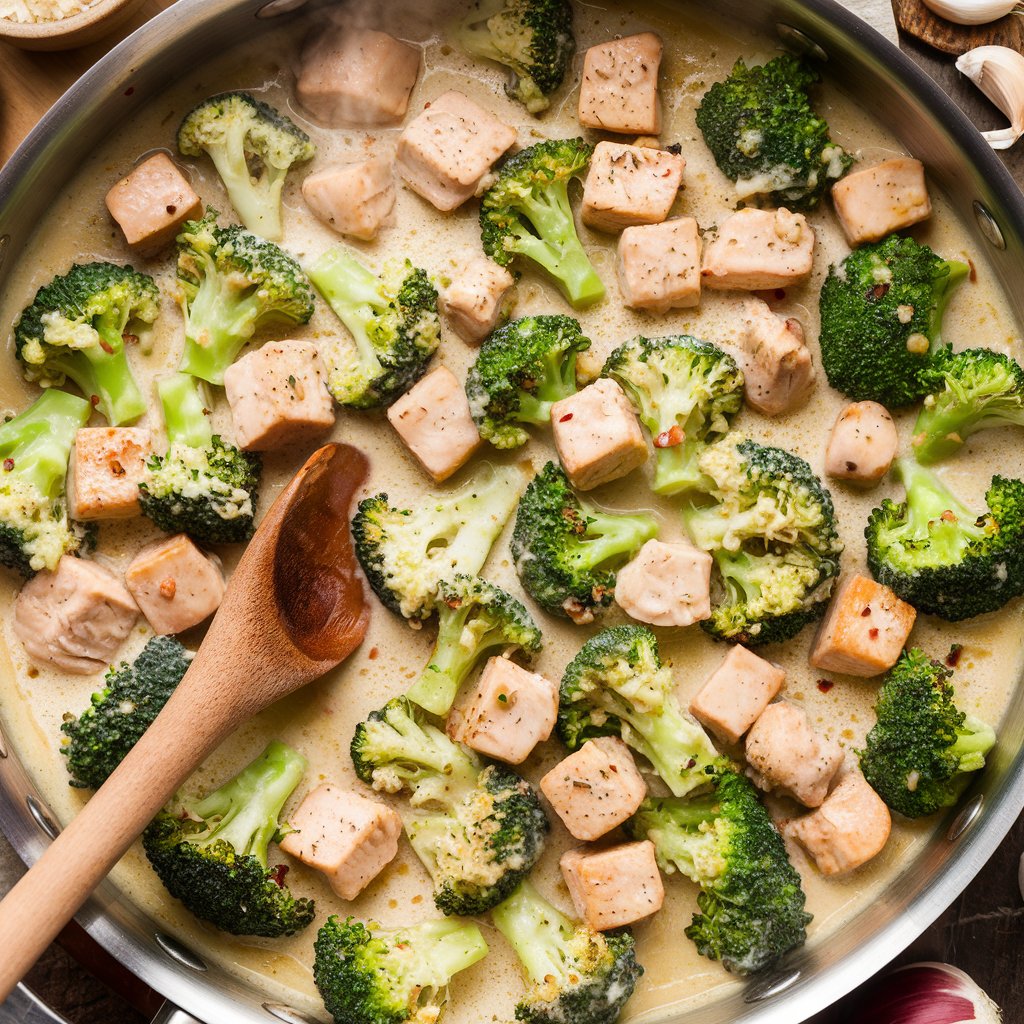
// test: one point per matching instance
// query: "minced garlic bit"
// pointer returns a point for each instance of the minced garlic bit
(28, 11)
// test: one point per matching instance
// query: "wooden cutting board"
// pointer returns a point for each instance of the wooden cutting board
(914, 17)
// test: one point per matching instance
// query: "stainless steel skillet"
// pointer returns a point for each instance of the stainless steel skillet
(902, 98)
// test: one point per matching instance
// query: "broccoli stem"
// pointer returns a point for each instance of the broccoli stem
(974, 740)
(184, 411)
(558, 382)
(244, 812)
(610, 536)
(683, 833)
(434, 951)
(436, 688)
(537, 932)
(675, 469)
(677, 747)
(942, 291)
(935, 514)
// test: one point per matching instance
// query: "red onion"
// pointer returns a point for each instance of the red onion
(929, 993)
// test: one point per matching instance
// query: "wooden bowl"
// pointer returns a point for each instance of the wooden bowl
(77, 30)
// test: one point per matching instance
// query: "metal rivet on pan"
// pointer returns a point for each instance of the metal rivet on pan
(5, 244)
(43, 816)
(287, 1014)
(276, 7)
(989, 228)
(769, 987)
(3, 746)
(800, 44)
(966, 818)
(179, 953)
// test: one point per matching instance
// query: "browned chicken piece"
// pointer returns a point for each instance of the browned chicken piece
(863, 444)
(873, 202)
(354, 199)
(614, 887)
(758, 250)
(619, 90)
(666, 584)
(736, 694)
(659, 265)
(629, 185)
(107, 466)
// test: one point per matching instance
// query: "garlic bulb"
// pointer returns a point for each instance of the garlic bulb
(972, 12)
(998, 72)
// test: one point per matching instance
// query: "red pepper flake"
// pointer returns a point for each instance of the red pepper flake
(130, 339)
(948, 516)
(973, 275)
(374, 653)
(867, 611)
(825, 685)
(277, 875)
(692, 763)
(879, 291)
(670, 438)
(171, 208)
(953, 658)
(565, 418)
(873, 634)
(130, 90)
(107, 347)
(8, 465)
(94, 400)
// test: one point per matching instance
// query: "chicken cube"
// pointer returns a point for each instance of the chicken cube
(614, 887)
(757, 250)
(878, 200)
(863, 444)
(175, 584)
(508, 713)
(777, 371)
(847, 830)
(629, 185)
(864, 631)
(107, 466)
(666, 584)
(475, 300)
(353, 199)
(786, 755)
(357, 77)
(347, 836)
(435, 424)
(152, 204)
(597, 435)
(659, 265)
(278, 396)
(736, 694)
(596, 788)
(445, 152)
(75, 618)
(619, 91)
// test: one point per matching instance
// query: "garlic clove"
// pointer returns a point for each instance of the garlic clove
(998, 72)
(972, 12)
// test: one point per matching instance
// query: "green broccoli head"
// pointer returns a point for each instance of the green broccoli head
(202, 486)
(78, 328)
(526, 212)
(577, 975)
(406, 553)
(35, 447)
(751, 904)
(237, 132)
(972, 390)
(922, 750)
(522, 369)
(474, 620)
(686, 392)
(566, 550)
(132, 696)
(393, 322)
(881, 317)
(771, 530)
(532, 38)
(617, 686)
(366, 975)
(212, 853)
(764, 134)
(232, 282)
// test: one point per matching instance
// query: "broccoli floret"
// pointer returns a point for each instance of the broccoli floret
(212, 853)
(566, 550)
(78, 327)
(526, 212)
(478, 832)
(686, 392)
(578, 976)
(393, 322)
(772, 533)
(232, 282)
(35, 447)
(764, 134)
(132, 696)
(881, 317)
(405, 553)
(237, 132)
(532, 38)
(202, 486)
(369, 976)
(474, 619)
(922, 750)
(751, 901)
(972, 391)
(942, 557)
(617, 686)
(522, 369)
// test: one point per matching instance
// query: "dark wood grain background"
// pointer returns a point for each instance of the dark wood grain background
(982, 932)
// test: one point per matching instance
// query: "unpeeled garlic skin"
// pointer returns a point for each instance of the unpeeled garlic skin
(972, 12)
(998, 72)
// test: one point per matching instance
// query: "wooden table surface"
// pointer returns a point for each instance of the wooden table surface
(982, 932)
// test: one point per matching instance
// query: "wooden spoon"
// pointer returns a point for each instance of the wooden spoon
(293, 609)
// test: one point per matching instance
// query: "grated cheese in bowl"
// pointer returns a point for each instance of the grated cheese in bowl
(29, 11)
